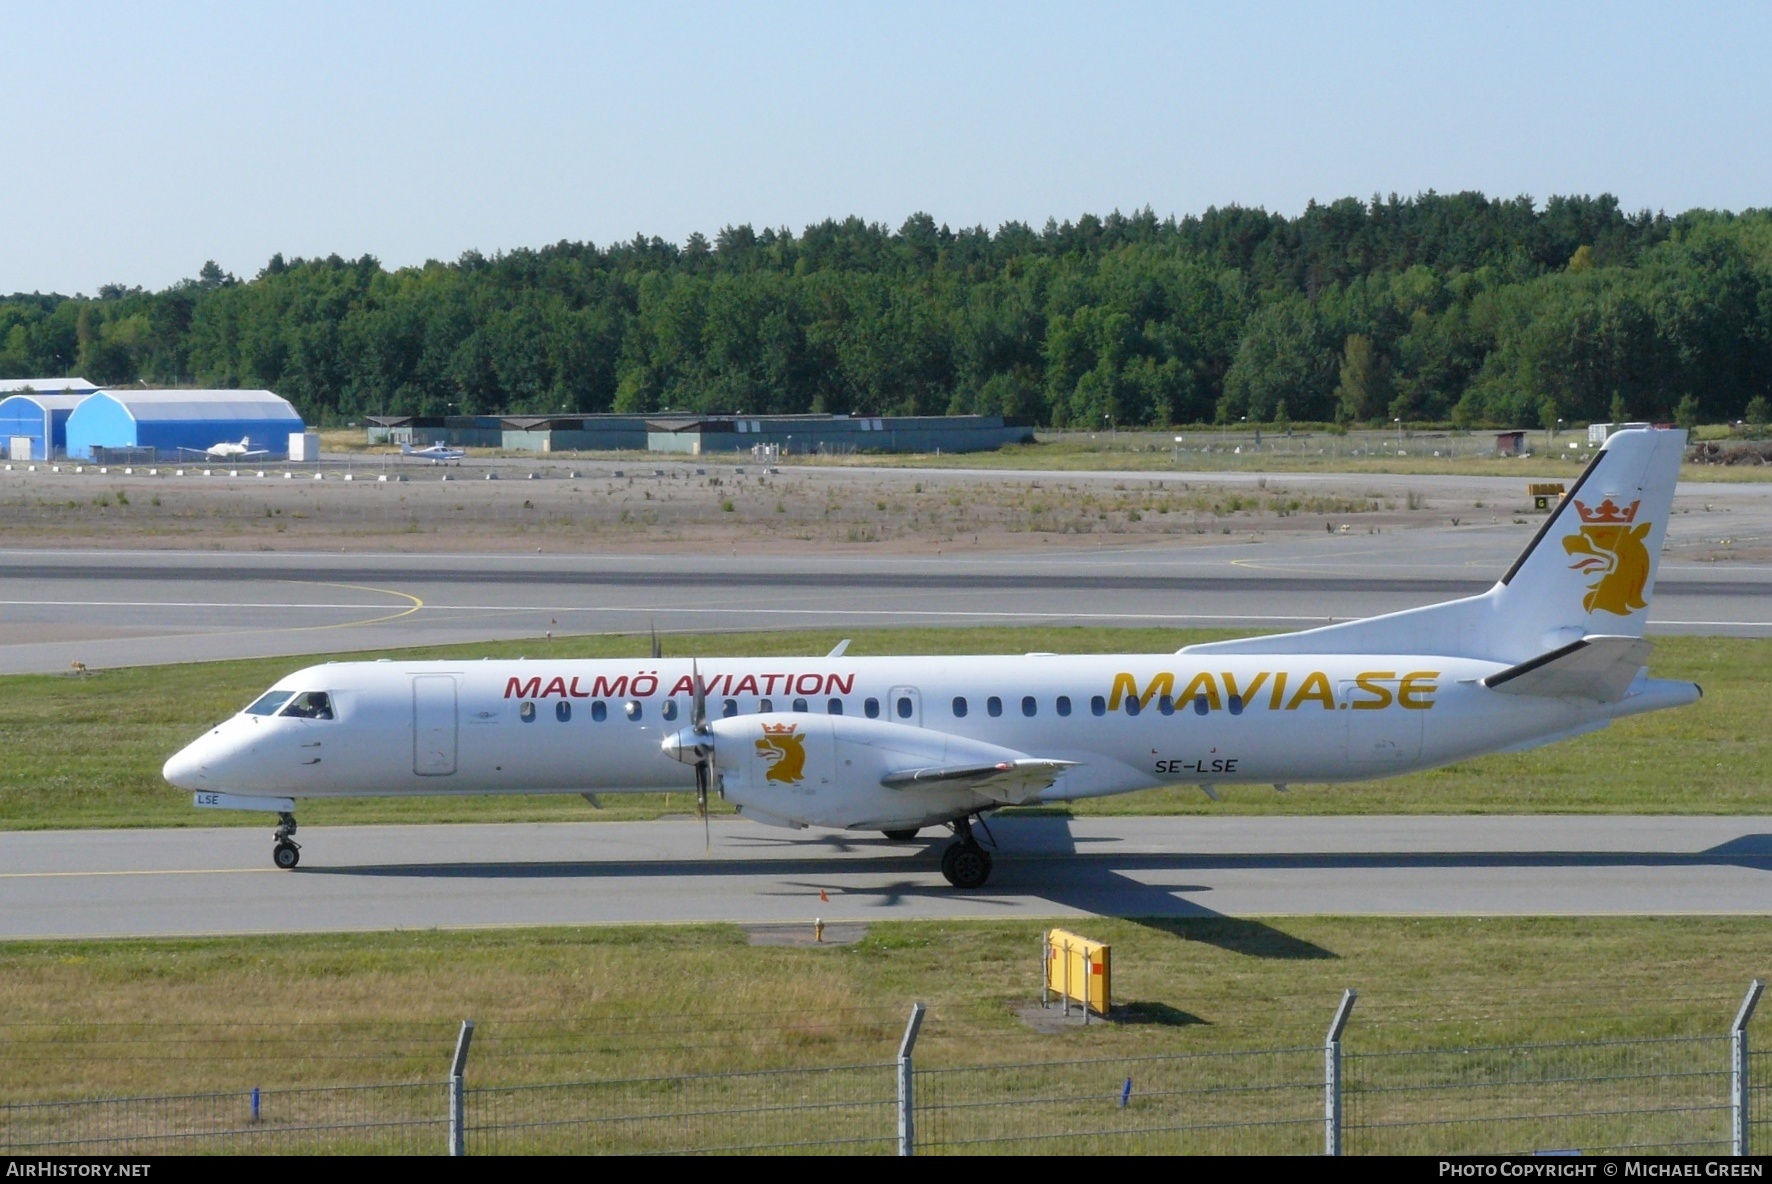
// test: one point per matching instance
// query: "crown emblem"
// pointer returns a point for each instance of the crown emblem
(1607, 512)
(779, 729)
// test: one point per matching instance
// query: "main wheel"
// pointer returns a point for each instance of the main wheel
(285, 855)
(901, 836)
(966, 865)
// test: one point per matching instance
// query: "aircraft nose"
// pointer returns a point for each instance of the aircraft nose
(185, 767)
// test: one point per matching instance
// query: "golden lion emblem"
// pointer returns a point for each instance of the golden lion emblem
(784, 752)
(1611, 548)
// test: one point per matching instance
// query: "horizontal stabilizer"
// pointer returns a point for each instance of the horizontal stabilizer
(1010, 782)
(1598, 668)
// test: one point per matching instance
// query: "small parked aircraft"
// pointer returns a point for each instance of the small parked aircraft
(894, 744)
(230, 450)
(433, 452)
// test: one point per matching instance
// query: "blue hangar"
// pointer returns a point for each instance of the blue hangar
(173, 422)
(34, 415)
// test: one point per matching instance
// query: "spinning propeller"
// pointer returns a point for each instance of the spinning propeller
(704, 749)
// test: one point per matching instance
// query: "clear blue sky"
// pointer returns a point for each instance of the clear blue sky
(141, 139)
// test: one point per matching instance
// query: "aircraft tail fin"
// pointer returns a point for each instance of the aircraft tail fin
(406, 449)
(1589, 570)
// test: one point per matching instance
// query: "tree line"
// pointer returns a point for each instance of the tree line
(1452, 308)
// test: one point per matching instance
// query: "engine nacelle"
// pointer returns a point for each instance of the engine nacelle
(825, 770)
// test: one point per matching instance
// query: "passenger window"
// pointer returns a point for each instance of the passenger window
(668, 709)
(904, 707)
(1201, 706)
(634, 709)
(799, 705)
(1133, 706)
(994, 705)
(871, 709)
(310, 705)
(1097, 705)
(959, 707)
(834, 707)
(526, 712)
(599, 711)
(729, 709)
(267, 703)
(563, 711)
(1064, 705)
(1028, 706)
(1166, 704)
(765, 705)
(1235, 703)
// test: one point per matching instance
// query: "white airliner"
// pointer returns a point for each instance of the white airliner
(433, 452)
(1554, 650)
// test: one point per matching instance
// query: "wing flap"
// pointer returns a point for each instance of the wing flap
(1010, 782)
(1600, 668)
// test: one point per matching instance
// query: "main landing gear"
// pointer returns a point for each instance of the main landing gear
(287, 853)
(964, 862)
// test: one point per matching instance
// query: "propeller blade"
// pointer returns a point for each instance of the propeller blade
(698, 709)
(701, 805)
(657, 649)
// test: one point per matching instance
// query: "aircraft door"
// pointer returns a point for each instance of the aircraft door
(904, 705)
(1380, 731)
(433, 725)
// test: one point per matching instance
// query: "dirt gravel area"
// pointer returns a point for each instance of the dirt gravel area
(490, 507)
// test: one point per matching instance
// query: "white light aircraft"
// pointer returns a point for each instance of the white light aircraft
(895, 744)
(230, 450)
(433, 452)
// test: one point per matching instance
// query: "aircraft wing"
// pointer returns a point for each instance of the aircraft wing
(1009, 782)
(1600, 668)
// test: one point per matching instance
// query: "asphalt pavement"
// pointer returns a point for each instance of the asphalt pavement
(69, 884)
(123, 608)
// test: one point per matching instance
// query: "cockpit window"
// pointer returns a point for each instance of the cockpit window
(310, 705)
(267, 703)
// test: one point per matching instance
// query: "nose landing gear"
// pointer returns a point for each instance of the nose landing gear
(287, 852)
(964, 862)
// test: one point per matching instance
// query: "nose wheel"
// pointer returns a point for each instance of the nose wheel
(964, 862)
(287, 852)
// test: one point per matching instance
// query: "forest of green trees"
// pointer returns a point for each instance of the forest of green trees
(1455, 308)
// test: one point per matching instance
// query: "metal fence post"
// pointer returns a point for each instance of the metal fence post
(1332, 1076)
(907, 1123)
(458, 1135)
(1738, 1068)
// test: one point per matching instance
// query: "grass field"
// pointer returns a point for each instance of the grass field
(123, 1017)
(86, 750)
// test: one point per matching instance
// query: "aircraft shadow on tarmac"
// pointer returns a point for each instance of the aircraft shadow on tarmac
(1041, 858)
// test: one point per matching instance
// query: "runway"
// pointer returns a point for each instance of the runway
(121, 608)
(70, 884)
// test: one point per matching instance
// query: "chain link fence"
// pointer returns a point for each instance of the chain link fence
(1703, 1095)
(1242, 1103)
(353, 1120)
(1640, 1097)
(848, 1110)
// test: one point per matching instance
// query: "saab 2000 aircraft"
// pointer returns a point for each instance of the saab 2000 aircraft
(1553, 650)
